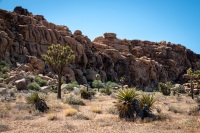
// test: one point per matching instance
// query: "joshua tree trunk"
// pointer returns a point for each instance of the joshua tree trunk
(192, 88)
(59, 87)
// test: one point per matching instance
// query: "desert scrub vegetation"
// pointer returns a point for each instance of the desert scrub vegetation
(81, 117)
(106, 91)
(96, 109)
(70, 112)
(125, 106)
(4, 67)
(97, 84)
(87, 94)
(73, 100)
(147, 99)
(38, 101)
(52, 117)
(41, 82)
(70, 86)
(165, 88)
(112, 85)
(33, 86)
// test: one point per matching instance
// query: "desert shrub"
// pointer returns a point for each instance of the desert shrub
(41, 82)
(174, 109)
(73, 100)
(125, 106)
(96, 109)
(112, 85)
(112, 110)
(4, 69)
(195, 111)
(147, 99)
(106, 91)
(4, 76)
(71, 85)
(165, 88)
(3, 63)
(81, 117)
(87, 94)
(32, 99)
(34, 86)
(97, 84)
(38, 101)
(52, 117)
(70, 112)
(161, 117)
(4, 128)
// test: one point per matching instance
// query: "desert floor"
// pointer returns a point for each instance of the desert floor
(99, 115)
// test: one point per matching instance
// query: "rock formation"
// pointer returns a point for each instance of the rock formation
(24, 37)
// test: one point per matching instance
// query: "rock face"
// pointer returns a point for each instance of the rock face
(24, 37)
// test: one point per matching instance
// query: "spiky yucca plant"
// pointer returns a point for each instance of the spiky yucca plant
(127, 95)
(147, 99)
(125, 105)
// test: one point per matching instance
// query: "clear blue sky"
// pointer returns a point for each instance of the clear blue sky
(176, 21)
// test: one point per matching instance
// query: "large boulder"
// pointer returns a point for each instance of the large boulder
(37, 63)
(109, 35)
(21, 84)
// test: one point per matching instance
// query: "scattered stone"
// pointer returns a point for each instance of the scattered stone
(3, 91)
(21, 84)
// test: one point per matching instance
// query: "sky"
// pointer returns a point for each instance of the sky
(175, 21)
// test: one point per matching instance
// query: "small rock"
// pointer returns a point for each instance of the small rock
(3, 91)
(45, 89)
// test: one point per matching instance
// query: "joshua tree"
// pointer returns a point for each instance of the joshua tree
(97, 83)
(58, 57)
(194, 77)
(122, 81)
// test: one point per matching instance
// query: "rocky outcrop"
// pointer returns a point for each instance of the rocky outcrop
(24, 37)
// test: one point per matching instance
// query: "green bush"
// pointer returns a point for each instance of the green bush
(34, 86)
(32, 99)
(4, 69)
(97, 84)
(71, 85)
(41, 82)
(3, 63)
(72, 100)
(4, 76)
(106, 91)
(165, 88)
(87, 94)
(112, 85)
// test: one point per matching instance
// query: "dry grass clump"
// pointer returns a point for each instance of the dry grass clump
(190, 122)
(96, 109)
(112, 110)
(81, 117)
(174, 109)
(52, 117)
(3, 128)
(73, 100)
(70, 112)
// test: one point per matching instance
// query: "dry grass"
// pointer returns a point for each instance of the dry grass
(16, 117)
(52, 117)
(70, 112)
(96, 109)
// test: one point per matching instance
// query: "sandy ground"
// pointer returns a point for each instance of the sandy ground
(17, 117)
